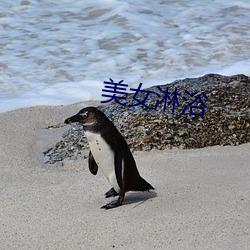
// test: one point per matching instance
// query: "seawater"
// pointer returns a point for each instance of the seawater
(61, 52)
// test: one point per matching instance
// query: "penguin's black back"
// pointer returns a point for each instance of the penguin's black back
(132, 180)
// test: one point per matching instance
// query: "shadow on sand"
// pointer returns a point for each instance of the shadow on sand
(138, 198)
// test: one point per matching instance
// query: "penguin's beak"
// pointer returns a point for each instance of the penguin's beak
(74, 118)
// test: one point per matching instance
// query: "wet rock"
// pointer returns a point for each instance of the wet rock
(226, 119)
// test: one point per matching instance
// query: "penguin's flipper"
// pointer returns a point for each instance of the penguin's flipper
(118, 166)
(93, 167)
(111, 193)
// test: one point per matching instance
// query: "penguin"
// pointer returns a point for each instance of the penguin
(110, 152)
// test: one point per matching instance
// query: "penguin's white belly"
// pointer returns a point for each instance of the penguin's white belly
(104, 157)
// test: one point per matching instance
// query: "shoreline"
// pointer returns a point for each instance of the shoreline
(201, 198)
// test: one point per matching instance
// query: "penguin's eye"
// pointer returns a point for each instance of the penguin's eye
(84, 115)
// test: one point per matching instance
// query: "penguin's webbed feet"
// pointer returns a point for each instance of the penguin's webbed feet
(113, 204)
(111, 193)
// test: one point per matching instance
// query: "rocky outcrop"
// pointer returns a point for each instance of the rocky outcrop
(225, 121)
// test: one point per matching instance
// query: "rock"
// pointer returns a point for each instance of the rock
(226, 119)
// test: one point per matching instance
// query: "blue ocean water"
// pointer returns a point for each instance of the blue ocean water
(61, 52)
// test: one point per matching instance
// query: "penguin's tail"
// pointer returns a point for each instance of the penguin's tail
(141, 185)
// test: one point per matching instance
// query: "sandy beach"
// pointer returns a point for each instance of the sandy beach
(201, 198)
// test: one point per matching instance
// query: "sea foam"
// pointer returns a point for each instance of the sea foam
(61, 52)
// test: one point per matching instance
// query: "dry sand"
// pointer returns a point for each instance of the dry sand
(201, 201)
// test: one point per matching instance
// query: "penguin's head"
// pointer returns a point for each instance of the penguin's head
(88, 117)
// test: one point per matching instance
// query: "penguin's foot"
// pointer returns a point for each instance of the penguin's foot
(111, 193)
(113, 204)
